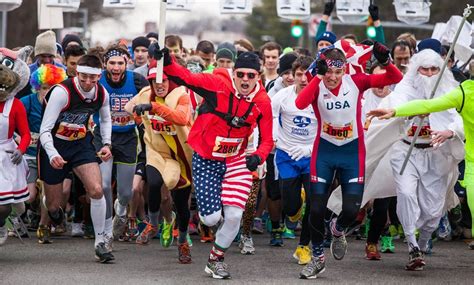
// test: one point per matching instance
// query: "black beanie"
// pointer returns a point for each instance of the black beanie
(152, 35)
(248, 60)
(140, 42)
(286, 62)
(70, 38)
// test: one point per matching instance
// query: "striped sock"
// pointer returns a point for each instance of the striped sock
(217, 253)
(336, 230)
(318, 250)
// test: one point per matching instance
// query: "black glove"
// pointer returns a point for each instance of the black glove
(381, 53)
(328, 7)
(252, 161)
(322, 66)
(374, 12)
(141, 109)
(16, 157)
(154, 51)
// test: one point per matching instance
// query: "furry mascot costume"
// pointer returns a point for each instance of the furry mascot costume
(14, 75)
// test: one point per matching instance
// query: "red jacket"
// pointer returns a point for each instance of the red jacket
(211, 136)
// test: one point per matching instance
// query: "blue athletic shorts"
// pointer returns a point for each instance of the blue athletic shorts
(289, 168)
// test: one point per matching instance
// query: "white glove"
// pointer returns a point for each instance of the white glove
(301, 151)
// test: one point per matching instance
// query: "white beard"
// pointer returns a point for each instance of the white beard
(425, 84)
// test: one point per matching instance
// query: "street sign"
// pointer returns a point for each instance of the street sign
(293, 9)
(236, 6)
(8, 5)
(120, 4)
(179, 5)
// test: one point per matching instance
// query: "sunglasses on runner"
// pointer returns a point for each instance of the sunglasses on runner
(250, 75)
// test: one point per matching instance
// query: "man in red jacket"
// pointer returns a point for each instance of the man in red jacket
(234, 103)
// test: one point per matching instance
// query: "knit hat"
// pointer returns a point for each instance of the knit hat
(226, 50)
(286, 62)
(327, 36)
(248, 60)
(430, 43)
(45, 43)
(152, 35)
(70, 38)
(140, 42)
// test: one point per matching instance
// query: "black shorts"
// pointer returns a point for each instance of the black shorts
(124, 146)
(140, 170)
(76, 153)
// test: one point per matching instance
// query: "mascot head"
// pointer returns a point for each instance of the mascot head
(14, 72)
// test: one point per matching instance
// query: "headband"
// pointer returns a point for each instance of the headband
(337, 63)
(114, 52)
(88, 70)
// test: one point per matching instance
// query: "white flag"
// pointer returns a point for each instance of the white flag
(293, 9)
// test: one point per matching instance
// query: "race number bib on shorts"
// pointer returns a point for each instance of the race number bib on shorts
(227, 147)
(121, 119)
(424, 132)
(161, 126)
(71, 132)
(338, 132)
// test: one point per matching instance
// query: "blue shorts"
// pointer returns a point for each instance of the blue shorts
(289, 168)
(348, 160)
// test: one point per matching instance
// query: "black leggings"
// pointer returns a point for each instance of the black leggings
(180, 200)
(180, 197)
(291, 202)
(4, 213)
(351, 199)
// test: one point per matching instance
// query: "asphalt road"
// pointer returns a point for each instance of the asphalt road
(71, 261)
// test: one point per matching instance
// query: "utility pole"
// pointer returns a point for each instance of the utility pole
(3, 28)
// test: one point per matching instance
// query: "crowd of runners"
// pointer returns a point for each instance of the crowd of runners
(238, 140)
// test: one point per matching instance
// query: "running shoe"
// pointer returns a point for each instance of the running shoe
(288, 234)
(393, 232)
(416, 260)
(43, 234)
(102, 254)
(429, 248)
(119, 226)
(184, 253)
(314, 268)
(206, 233)
(444, 229)
(258, 226)
(3, 235)
(302, 254)
(471, 245)
(246, 245)
(276, 239)
(192, 229)
(371, 252)
(18, 228)
(147, 234)
(189, 240)
(387, 245)
(166, 237)
(108, 241)
(338, 247)
(217, 269)
(132, 228)
(76, 230)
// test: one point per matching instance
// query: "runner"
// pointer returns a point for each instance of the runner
(234, 103)
(339, 145)
(168, 168)
(66, 144)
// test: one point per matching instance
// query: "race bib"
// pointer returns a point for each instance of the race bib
(161, 126)
(425, 132)
(71, 132)
(34, 140)
(227, 147)
(121, 119)
(338, 132)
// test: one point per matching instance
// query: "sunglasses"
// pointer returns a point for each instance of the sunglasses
(250, 75)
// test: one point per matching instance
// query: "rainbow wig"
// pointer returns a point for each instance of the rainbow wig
(46, 74)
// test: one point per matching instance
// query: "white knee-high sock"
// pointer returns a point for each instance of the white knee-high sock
(98, 208)
(108, 227)
(230, 227)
